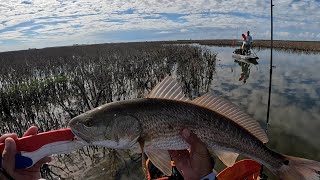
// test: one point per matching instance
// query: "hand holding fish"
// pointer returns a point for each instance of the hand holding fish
(193, 164)
(8, 170)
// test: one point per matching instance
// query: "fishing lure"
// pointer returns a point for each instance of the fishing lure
(30, 149)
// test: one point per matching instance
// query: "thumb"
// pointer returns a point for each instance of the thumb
(198, 149)
(192, 139)
(8, 156)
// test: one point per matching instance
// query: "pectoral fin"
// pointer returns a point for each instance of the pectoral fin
(227, 157)
(143, 159)
(161, 159)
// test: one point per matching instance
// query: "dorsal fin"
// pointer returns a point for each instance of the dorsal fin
(232, 112)
(168, 88)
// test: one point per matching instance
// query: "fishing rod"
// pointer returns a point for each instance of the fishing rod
(271, 67)
(254, 53)
(263, 176)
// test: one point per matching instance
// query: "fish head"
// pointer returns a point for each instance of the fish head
(104, 126)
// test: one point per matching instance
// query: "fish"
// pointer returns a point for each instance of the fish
(154, 125)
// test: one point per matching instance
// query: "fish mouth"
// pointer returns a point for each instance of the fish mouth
(81, 136)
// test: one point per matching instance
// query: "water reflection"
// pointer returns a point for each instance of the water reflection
(295, 105)
(246, 66)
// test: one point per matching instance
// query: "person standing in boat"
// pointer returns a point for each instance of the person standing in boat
(247, 43)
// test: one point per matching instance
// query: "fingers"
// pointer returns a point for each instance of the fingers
(5, 136)
(31, 131)
(8, 156)
(181, 159)
(178, 155)
(200, 157)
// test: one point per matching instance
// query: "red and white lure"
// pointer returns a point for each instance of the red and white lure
(30, 149)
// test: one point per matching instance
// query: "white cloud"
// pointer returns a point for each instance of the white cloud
(94, 17)
(184, 30)
(307, 35)
(164, 32)
(283, 34)
(12, 35)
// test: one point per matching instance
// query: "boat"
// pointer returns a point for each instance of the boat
(248, 61)
(246, 54)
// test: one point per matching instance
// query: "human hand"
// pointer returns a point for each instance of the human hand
(8, 159)
(193, 164)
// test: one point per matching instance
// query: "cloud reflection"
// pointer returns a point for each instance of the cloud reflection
(295, 100)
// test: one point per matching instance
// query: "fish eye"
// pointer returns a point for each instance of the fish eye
(88, 123)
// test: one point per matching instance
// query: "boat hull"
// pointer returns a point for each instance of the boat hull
(245, 57)
(248, 61)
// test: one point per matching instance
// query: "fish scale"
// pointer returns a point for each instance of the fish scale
(173, 113)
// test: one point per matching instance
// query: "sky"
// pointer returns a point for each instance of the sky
(45, 23)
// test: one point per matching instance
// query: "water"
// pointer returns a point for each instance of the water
(295, 100)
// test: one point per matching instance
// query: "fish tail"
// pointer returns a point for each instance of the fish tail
(299, 168)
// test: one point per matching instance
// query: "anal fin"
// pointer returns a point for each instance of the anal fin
(227, 157)
(161, 159)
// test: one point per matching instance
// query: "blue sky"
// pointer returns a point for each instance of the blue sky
(42, 23)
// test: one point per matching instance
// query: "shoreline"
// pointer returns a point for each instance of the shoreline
(305, 46)
(294, 46)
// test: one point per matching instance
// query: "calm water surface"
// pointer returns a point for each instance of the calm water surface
(295, 101)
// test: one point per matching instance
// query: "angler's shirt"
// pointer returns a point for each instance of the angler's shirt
(249, 39)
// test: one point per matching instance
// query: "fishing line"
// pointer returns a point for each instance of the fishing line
(263, 176)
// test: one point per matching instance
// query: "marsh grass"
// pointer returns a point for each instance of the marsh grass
(48, 87)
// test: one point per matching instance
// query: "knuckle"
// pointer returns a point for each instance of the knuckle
(5, 156)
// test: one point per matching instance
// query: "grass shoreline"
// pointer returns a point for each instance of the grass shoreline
(306, 46)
